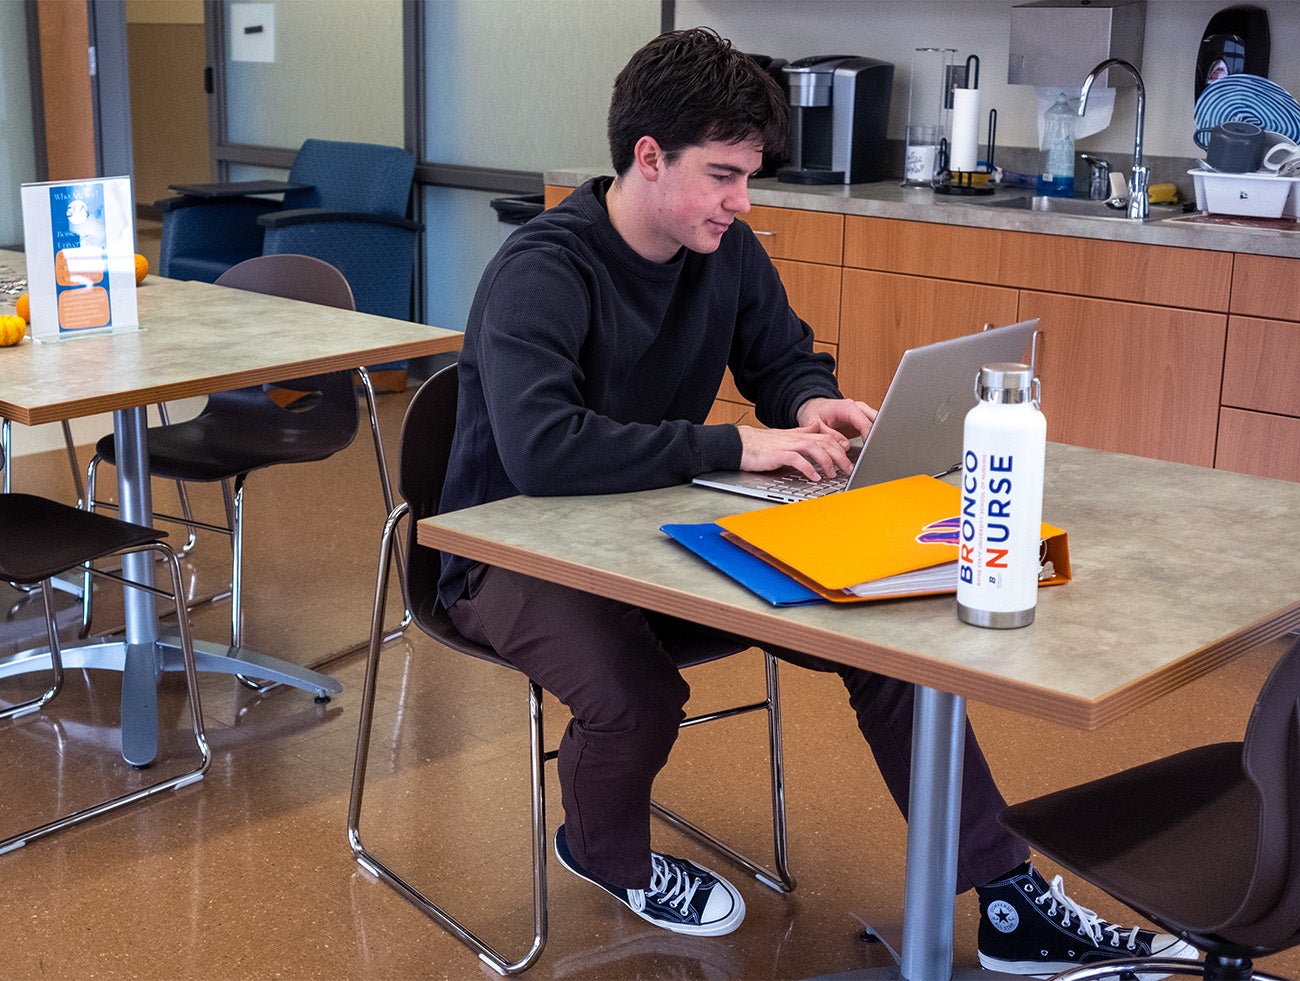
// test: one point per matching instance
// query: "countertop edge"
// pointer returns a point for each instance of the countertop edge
(887, 199)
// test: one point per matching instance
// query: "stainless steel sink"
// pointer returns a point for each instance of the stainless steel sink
(1075, 207)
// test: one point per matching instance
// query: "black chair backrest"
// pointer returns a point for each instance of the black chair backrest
(1270, 912)
(299, 277)
(423, 455)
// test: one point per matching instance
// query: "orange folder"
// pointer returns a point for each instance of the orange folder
(893, 539)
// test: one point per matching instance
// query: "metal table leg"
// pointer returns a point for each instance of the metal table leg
(938, 740)
(143, 660)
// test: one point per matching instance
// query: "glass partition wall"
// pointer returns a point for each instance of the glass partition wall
(516, 85)
(18, 148)
(487, 93)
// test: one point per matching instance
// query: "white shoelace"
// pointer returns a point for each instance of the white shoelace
(672, 883)
(1091, 925)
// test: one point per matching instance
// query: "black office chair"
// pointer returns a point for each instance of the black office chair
(422, 467)
(39, 539)
(1205, 843)
(245, 429)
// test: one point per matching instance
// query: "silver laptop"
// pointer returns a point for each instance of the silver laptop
(918, 428)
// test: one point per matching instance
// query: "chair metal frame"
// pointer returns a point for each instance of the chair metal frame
(778, 878)
(66, 585)
(168, 556)
(1130, 966)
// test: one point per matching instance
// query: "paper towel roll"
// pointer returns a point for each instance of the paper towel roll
(965, 145)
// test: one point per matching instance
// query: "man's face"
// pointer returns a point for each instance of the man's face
(700, 192)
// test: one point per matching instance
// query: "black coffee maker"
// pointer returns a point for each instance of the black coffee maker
(839, 108)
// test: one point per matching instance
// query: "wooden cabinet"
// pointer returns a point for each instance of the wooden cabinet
(1156, 275)
(1261, 369)
(1266, 286)
(1131, 354)
(1259, 424)
(809, 236)
(884, 314)
(552, 195)
(1129, 378)
(970, 255)
(1259, 443)
(806, 247)
(814, 294)
(1195, 279)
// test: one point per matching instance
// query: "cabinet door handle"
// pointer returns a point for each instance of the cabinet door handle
(759, 231)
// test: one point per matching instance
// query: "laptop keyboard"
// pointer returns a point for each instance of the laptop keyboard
(795, 484)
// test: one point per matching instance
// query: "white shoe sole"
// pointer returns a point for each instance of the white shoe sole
(1039, 969)
(719, 929)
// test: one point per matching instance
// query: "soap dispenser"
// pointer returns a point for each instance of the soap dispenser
(1057, 177)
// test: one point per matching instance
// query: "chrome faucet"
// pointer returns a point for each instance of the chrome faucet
(1099, 180)
(1137, 186)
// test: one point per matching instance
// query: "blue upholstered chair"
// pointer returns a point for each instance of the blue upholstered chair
(344, 203)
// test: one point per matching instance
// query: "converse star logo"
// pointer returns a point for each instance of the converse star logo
(1003, 916)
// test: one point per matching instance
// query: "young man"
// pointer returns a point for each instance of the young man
(595, 345)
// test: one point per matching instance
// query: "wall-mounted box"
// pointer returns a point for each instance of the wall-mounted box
(1057, 42)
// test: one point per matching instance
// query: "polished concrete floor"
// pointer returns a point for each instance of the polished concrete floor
(247, 874)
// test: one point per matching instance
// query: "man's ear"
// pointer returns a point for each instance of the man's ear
(648, 158)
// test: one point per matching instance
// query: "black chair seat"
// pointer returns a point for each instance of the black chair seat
(243, 430)
(40, 538)
(1134, 830)
(43, 538)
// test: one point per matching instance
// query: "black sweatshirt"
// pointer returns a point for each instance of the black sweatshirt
(588, 369)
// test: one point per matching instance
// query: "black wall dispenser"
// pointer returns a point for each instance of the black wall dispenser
(1236, 42)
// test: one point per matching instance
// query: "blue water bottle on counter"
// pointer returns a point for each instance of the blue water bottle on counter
(1057, 177)
(1004, 450)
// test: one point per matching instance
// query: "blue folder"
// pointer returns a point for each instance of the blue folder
(706, 541)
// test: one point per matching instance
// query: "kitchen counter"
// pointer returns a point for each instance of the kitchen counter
(886, 199)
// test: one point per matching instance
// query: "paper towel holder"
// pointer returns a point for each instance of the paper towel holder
(967, 182)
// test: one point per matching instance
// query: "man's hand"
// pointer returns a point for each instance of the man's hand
(812, 450)
(818, 447)
(846, 416)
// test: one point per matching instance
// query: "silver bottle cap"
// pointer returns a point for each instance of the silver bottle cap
(1006, 382)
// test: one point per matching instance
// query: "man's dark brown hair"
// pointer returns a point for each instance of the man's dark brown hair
(687, 88)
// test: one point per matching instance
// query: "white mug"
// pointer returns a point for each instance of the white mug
(1281, 154)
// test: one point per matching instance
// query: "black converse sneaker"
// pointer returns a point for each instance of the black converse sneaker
(1029, 927)
(683, 897)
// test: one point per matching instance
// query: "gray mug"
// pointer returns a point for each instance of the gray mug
(1236, 147)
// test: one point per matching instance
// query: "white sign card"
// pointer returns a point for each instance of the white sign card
(79, 237)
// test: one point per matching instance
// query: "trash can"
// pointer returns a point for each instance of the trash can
(518, 209)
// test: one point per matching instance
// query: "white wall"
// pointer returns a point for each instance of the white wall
(891, 29)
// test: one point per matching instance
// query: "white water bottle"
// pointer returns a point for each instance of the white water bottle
(1005, 446)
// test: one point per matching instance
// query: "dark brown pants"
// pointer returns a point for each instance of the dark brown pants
(605, 662)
